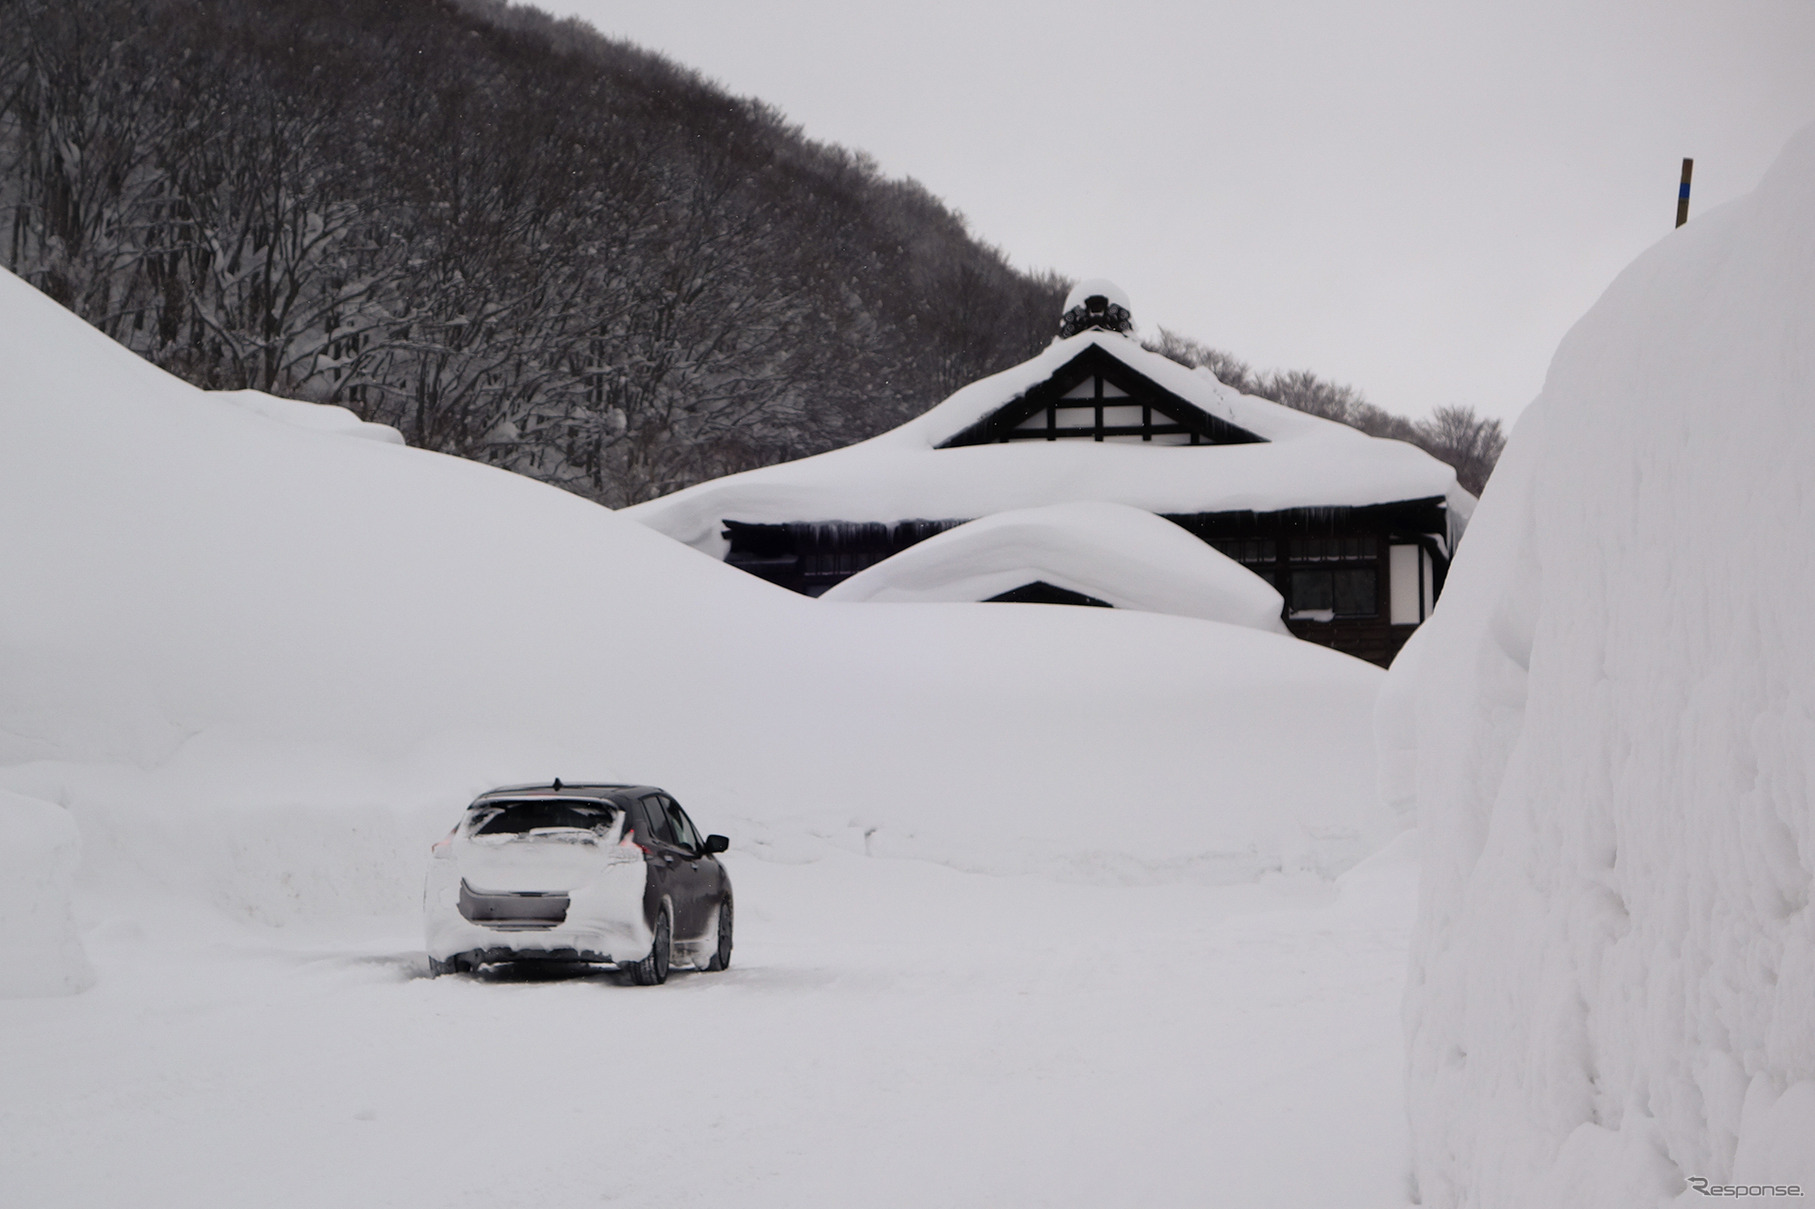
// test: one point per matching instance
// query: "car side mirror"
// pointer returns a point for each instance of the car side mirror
(716, 844)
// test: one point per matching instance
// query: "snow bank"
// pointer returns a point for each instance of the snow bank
(1130, 558)
(264, 670)
(1606, 734)
(316, 417)
(1304, 461)
(40, 952)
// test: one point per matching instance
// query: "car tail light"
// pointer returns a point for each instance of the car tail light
(443, 848)
(630, 841)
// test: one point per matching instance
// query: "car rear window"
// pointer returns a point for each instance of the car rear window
(542, 814)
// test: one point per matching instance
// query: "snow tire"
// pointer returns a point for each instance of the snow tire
(721, 958)
(653, 969)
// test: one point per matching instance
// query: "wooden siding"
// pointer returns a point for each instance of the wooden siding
(1375, 641)
(1355, 541)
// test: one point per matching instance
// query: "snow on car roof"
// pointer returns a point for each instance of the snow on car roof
(545, 789)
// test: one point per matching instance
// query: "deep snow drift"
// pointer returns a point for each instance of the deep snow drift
(264, 667)
(1608, 733)
(1127, 557)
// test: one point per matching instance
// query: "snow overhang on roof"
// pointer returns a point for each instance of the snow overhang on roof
(1125, 557)
(1253, 455)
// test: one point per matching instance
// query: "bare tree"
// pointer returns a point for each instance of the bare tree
(1229, 370)
(79, 123)
(1470, 442)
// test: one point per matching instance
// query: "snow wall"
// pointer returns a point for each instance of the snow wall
(40, 951)
(1608, 735)
(263, 666)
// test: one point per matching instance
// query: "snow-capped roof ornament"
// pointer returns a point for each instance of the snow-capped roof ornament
(1096, 303)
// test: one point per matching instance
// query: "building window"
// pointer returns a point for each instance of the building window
(1340, 592)
(1321, 578)
(1333, 577)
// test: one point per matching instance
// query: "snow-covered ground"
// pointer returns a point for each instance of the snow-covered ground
(1036, 904)
(892, 1033)
(1608, 733)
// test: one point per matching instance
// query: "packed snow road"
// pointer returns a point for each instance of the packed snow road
(891, 1033)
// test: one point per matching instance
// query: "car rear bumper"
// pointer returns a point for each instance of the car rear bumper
(500, 953)
(600, 921)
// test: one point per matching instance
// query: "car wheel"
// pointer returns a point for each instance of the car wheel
(653, 969)
(437, 967)
(721, 960)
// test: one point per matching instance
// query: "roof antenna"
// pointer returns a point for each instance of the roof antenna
(557, 783)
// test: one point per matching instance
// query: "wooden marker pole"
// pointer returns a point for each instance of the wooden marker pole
(1682, 194)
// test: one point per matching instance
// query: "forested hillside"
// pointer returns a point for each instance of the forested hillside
(508, 236)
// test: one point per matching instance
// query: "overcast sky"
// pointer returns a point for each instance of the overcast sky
(1416, 198)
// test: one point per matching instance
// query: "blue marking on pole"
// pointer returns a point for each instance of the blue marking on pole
(1683, 190)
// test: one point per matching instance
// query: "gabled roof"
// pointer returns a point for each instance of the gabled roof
(1199, 388)
(1088, 383)
(926, 468)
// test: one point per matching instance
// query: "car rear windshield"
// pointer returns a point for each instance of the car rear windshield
(542, 814)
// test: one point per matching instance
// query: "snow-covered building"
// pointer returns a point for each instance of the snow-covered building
(1354, 532)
